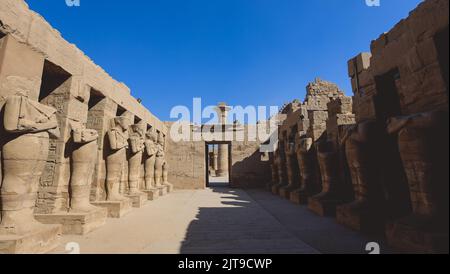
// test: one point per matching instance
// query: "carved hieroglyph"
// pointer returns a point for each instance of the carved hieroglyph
(137, 147)
(118, 141)
(24, 153)
(83, 163)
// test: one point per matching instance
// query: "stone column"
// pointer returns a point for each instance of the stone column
(223, 160)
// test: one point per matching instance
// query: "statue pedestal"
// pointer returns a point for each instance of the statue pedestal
(322, 206)
(76, 223)
(138, 199)
(286, 191)
(42, 240)
(116, 209)
(162, 190)
(358, 216)
(276, 188)
(169, 187)
(152, 194)
(299, 197)
(417, 233)
(269, 186)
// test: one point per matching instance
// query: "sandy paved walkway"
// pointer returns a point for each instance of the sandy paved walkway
(220, 220)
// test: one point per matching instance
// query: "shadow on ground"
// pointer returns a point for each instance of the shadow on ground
(257, 222)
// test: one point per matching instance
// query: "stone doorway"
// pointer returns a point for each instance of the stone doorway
(218, 163)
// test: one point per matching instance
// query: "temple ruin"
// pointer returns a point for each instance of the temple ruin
(78, 148)
(377, 161)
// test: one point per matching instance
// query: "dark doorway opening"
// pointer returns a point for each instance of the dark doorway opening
(387, 101)
(441, 42)
(218, 164)
(392, 174)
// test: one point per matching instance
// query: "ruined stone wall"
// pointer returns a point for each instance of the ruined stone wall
(340, 114)
(410, 53)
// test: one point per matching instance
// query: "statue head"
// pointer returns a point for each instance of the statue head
(138, 130)
(123, 122)
(161, 138)
(151, 135)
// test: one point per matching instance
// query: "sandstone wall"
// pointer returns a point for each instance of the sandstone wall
(188, 163)
(35, 59)
(408, 51)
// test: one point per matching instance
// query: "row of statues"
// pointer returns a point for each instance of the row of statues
(27, 129)
(149, 146)
(421, 141)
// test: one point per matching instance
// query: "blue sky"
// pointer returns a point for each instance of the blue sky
(243, 52)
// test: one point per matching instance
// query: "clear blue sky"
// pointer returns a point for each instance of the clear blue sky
(243, 52)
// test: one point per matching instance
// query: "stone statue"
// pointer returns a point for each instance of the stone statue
(274, 170)
(28, 125)
(118, 140)
(151, 150)
(291, 170)
(83, 163)
(308, 187)
(325, 203)
(423, 146)
(363, 155)
(280, 159)
(161, 165)
(137, 147)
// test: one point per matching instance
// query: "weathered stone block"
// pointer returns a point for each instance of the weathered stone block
(116, 209)
(152, 194)
(138, 199)
(76, 223)
(41, 241)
